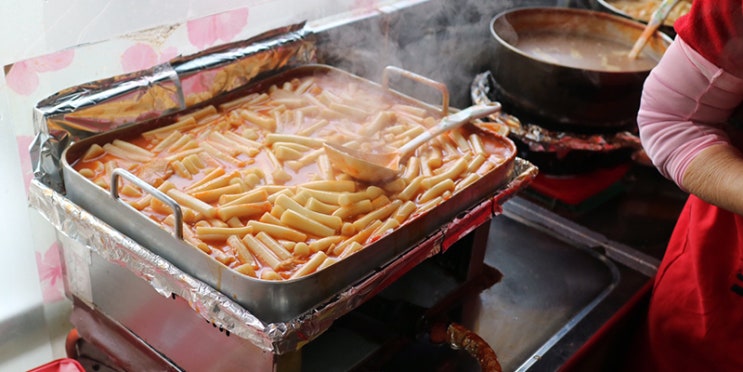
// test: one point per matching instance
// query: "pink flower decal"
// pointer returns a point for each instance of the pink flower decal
(23, 76)
(142, 56)
(198, 83)
(50, 274)
(24, 142)
(206, 31)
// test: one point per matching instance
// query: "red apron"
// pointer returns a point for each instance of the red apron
(695, 319)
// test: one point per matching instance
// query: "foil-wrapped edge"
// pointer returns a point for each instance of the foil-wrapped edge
(181, 83)
(98, 238)
(96, 107)
(305, 328)
(540, 139)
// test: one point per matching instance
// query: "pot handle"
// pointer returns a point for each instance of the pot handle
(441, 87)
(159, 195)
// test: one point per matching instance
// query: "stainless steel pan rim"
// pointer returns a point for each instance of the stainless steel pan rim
(270, 301)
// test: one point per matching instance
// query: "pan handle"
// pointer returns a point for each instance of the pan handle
(441, 87)
(177, 212)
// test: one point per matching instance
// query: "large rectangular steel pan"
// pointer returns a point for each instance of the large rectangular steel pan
(274, 301)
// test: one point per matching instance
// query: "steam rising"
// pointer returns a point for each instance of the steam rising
(447, 41)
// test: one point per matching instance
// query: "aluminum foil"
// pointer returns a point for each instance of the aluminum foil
(540, 139)
(99, 106)
(96, 237)
(176, 85)
(93, 236)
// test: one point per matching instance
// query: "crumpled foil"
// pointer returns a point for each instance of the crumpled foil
(539, 139)
(99, 106)
(97, 237)
(77, 224)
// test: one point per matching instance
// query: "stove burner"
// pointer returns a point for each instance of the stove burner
(556, 152)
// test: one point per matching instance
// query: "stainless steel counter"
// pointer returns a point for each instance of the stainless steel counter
(549, 285)
(564, 275)
(559, 285)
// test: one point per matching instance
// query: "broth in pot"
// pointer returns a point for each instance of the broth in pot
(582, 51)
(569, 69)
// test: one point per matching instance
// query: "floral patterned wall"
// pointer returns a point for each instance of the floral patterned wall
(47, 46)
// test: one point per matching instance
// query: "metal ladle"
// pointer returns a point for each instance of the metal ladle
(659, 16)
(382, 167)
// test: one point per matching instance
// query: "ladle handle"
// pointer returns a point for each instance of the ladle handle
(450, 122)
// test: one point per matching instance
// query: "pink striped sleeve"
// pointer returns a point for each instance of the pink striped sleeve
(685, 101)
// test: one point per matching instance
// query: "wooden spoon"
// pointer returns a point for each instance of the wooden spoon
(659, 16)
(382, 167)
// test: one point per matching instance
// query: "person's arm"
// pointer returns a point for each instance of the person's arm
(716, 176)
(685, 101)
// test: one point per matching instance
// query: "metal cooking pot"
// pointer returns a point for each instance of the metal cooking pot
(568, 87)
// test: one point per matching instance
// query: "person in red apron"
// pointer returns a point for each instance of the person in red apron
(686, 123)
